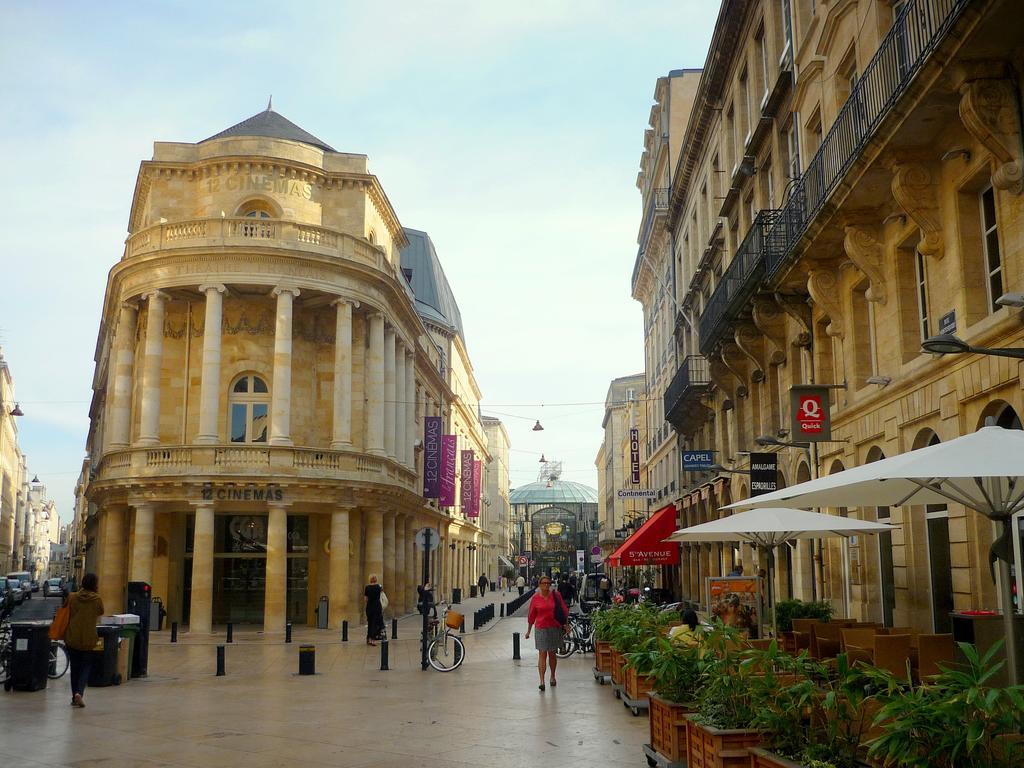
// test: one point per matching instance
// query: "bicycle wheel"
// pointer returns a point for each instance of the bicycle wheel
(58, 661)
(567, 648)
(446, 653)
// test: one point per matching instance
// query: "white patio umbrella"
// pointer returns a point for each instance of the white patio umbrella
(769, 527)
(983, 470)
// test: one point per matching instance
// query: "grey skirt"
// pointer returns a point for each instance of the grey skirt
(547, 639)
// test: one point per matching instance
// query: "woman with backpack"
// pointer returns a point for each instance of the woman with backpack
(551, 617)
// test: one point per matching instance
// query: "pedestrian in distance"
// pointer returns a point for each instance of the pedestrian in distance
(482, 584)
(84, 608)
(374, 610)
(520, 584)
(565, 590)
(550, 615)
(426, 601)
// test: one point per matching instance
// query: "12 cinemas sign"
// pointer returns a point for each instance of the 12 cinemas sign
(467, 492)
(634, 455)
(446, 496)
(432, 457)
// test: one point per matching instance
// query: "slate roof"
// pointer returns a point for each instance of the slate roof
(435, 301)
(272, 125)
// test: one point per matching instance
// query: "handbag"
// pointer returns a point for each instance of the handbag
(384, 603)
(59, 625)
(560, 616)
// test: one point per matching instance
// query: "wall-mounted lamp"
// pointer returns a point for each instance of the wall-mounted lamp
(1006, 300)
(537, 427)
(882, 381)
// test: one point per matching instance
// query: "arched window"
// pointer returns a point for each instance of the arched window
(256, 209)
(248, 407)
(259, 210)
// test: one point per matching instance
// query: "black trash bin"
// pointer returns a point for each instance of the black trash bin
(456, 595)
(30, 655)
(104, 668)
(472, 590)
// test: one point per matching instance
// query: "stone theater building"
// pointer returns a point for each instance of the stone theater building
(263, 369)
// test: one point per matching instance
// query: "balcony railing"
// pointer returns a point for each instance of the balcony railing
(689, 383)
(740, 280)
(917, 30)
(657, 202)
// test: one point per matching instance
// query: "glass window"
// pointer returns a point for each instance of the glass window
(248, 407)
(922, 295)
(787, 26)
(990, 243)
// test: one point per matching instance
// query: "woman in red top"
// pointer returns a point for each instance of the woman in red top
(542, 614)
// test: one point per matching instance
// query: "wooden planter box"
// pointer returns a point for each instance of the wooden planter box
(713, 748)
(762, 758)
(668, 728)
(636, 686)
(618, 663)
(603, 656)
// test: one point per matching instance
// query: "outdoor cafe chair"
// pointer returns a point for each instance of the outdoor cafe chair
(892, 652)
(933, 650)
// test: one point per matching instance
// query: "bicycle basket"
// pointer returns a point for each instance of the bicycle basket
(453, 620)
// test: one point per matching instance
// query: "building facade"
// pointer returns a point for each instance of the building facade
(623, 408)
(497, 509)
(849, 186)
(263, 371)
(555, 524)
(12, 473)
(42, 530)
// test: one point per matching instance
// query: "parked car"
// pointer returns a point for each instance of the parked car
(25, 579)
(35, 585)
(54, 588)
(5, 599)
(16, 591)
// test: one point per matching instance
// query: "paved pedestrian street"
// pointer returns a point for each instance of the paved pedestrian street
(263, 714)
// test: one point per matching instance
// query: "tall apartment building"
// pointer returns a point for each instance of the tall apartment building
(850, 185)
(12, 473)
(496, 510)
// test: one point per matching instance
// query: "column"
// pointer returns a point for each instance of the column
(374, 557)
(375, 386)
(122, 357)
(410, 413)
(342, 434)
(275, 599)
(281, 395)
(411, 577)
(112, 581)
(339, 576)
(389, 392)
(401, 587)
(201, 606)
(401, 426)
(142, 543)
(388, 577)
(149, 423)
(209, 392)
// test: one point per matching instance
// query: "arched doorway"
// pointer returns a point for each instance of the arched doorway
(940, 561)
(886, 569)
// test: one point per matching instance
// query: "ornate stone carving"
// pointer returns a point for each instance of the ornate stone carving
(823, 285)
(914, 191)
(750, 343)
(867, 252)
(721, 376)
(796, 307)
(771, 321)
(989, 110)
(735, 361)
(263, 325)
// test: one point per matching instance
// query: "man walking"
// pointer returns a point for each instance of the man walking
(520, 584)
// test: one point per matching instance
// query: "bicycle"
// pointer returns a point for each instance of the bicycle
(58, 661)
(579, 638)
(446, 651)
(5, 656)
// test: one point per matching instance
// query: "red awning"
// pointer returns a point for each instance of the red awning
(647, 546)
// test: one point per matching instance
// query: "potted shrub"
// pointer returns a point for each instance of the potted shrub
(676, 672)
(638, 624)
(604, 624)
(955, 721)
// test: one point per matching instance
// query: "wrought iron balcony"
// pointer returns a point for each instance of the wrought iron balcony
(918, 29)
(657, 203)
(684, 391)
(739, 282)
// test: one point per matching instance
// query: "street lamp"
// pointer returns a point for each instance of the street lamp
(766, 440)
(948, 344)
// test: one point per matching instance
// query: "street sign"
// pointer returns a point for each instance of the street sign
(947, 323)
(595, 550)
(523, 560)
(764, 473)
(809, 405)
(533, 563)
(698, 461)
(636, 493)
(420, 540)
(596, 559)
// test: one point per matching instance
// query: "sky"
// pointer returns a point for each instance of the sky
(511, 132)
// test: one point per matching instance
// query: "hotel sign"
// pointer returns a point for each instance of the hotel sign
(634, 456)
(251, 492)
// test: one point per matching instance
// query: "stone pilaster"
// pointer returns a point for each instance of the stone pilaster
(201, 607)
(389, 392)
(281, 402)
(123, 360)
(339, 574)
(149, 422)
(401, 425)
(375, 386)
(209, 392)
(275, 598)
(142, 542)
(341, 437)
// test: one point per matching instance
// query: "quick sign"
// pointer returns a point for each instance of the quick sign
(764, 473)
(698, 461)
(634, 455)
(809, 406)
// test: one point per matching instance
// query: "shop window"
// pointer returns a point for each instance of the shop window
(248, 408)
(990, 247)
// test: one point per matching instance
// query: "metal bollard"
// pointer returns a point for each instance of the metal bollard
(394, 629)
(288, 632)
(515, 647)
(344, 631)
(462, 626)
(503, 610)
(307, 660)
(174, 631)
(220, 661)
(231, 632)
(384, 656)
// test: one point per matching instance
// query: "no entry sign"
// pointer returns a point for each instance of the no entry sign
(809, 406)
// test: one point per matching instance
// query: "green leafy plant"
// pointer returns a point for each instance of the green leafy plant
(734, 680)
(636, 624)
(957, 720)
(787, 610)
(677, 670)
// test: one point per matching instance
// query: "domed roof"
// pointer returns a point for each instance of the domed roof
(552, 492)
(435, 301)
(272, 125)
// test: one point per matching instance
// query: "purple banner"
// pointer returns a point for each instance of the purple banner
(477, 473)
(466, 473)
(446, 494)
(432, 457)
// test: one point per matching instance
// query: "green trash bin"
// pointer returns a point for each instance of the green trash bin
(129, 634)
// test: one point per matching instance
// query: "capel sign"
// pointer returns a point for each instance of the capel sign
(809, 406)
